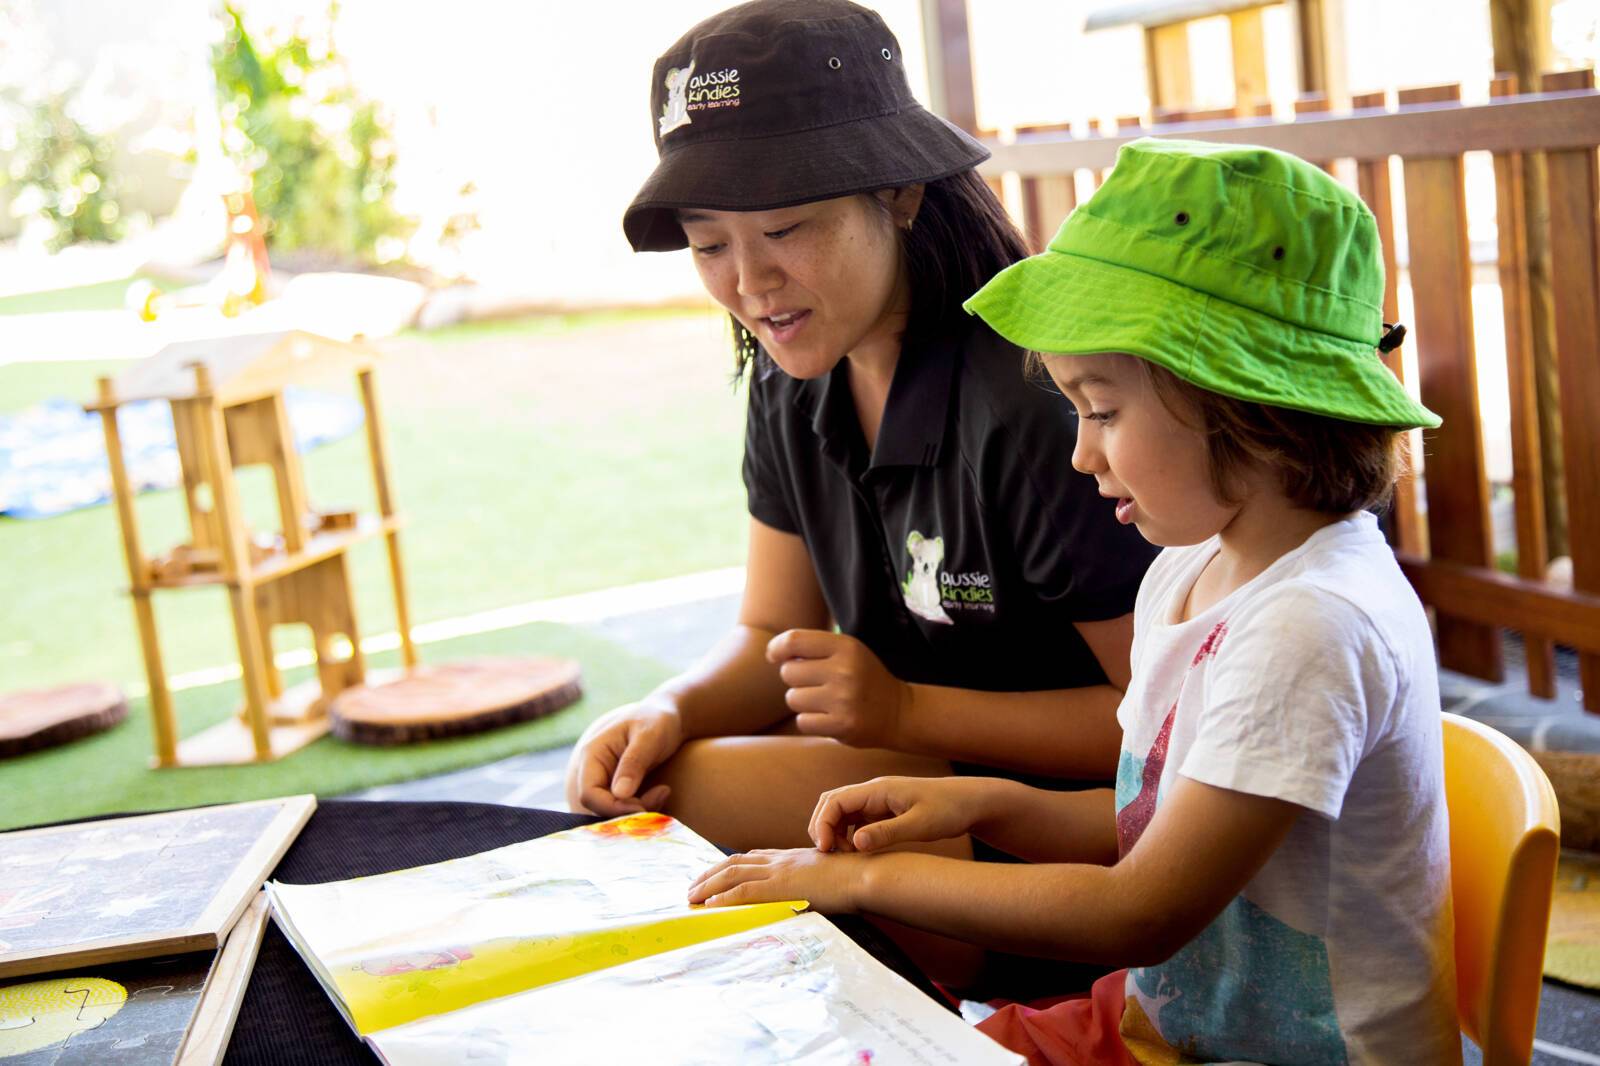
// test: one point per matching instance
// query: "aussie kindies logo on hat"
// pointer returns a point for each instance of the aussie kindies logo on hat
(688, 91)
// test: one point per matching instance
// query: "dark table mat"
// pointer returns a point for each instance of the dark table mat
(286, 1018)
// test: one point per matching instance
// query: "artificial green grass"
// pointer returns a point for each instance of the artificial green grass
(110, 772)
(100, 296)
(530, 460)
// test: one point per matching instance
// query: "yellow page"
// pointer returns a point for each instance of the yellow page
(406, 945)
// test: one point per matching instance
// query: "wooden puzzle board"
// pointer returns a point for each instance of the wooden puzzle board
(133, 888)
(173, 1011)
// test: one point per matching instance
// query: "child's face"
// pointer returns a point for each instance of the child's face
(1140, 454)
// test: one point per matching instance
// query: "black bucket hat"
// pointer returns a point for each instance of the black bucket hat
(781, 102)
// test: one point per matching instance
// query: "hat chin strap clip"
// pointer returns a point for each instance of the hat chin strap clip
(1394, 335)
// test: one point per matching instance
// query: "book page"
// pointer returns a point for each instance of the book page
(400, 946)
(798, 993)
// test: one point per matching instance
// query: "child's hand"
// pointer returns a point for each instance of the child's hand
(830, 882)
(897, 810)
(838, 688)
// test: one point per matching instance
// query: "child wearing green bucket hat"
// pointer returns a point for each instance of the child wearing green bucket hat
(1273, 864)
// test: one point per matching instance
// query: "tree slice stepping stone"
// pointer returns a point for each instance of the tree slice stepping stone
(451, 699)
(44, 717)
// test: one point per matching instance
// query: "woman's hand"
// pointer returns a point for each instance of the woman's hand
(899, 810)
(838, 688)
(614, 755)
(831, 883)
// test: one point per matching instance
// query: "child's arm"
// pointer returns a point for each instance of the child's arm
(1029, 823)
(1201, 848)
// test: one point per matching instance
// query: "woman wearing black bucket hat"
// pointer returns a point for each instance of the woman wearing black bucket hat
(907, 483)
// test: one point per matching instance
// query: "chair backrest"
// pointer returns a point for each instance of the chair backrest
(1504, 844)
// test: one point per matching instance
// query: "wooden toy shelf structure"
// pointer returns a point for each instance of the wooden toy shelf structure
(228, 411)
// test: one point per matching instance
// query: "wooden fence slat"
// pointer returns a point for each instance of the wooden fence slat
(1166, 55)
(1248, 35)
(1372, 179)
(1098, 174)
(993, 179)
(1047, 199)
(1441, 281)
(1574, 183)
(1527, 483)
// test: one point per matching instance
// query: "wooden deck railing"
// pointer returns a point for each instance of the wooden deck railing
(1449, 554)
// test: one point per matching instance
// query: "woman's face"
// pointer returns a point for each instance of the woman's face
(812, 282)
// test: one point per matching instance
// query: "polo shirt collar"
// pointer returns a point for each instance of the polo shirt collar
(915, 417)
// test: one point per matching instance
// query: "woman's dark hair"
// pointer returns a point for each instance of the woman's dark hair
(960, 239)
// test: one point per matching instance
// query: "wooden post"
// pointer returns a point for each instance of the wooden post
(1166, 56)
(380, 481)
(235, 563)
(947, 41)
(1527, 484)
(1249, 59)
(1574, 231)
(1372, 178)
(163, 722)
(1441, 279)
(1319, 28)
(1520, 32)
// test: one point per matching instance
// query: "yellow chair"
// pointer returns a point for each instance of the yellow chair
(1504, 843)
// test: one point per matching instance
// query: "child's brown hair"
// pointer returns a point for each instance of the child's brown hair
(1326, 464)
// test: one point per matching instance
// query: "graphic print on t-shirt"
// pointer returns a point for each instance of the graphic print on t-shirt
(1282, 996)
(1139, 781)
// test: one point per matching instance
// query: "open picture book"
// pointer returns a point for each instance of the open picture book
(582, 943)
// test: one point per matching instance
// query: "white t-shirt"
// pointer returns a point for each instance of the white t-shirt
(1314, 683)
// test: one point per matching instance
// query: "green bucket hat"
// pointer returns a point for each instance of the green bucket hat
(1245, 271)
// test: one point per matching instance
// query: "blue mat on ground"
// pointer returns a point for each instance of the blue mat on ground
(53, 454)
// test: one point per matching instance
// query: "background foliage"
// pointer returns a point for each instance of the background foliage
(320, 158)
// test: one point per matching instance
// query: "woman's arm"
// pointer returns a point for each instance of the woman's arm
(838, 688)
(732, 690)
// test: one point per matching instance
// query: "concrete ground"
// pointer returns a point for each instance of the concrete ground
(1569, 1018)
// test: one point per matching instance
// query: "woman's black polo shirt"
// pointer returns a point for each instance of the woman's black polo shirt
(962, 549)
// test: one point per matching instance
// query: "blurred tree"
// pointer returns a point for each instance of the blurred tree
(320, 159)
(60, 172)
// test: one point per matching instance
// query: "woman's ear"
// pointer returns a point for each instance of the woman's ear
(902, 202)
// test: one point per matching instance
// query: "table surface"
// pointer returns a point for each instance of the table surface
(286, 1018)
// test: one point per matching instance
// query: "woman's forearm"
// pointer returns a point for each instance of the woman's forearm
(731, 691)
(1070, 733)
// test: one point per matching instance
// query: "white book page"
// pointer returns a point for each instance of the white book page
(797, 992)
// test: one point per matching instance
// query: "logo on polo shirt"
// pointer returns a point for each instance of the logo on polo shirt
(933, 593)
(921, 585)
(688, 91)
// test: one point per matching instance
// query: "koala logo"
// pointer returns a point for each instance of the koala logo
(921, 586)
(675, 112)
